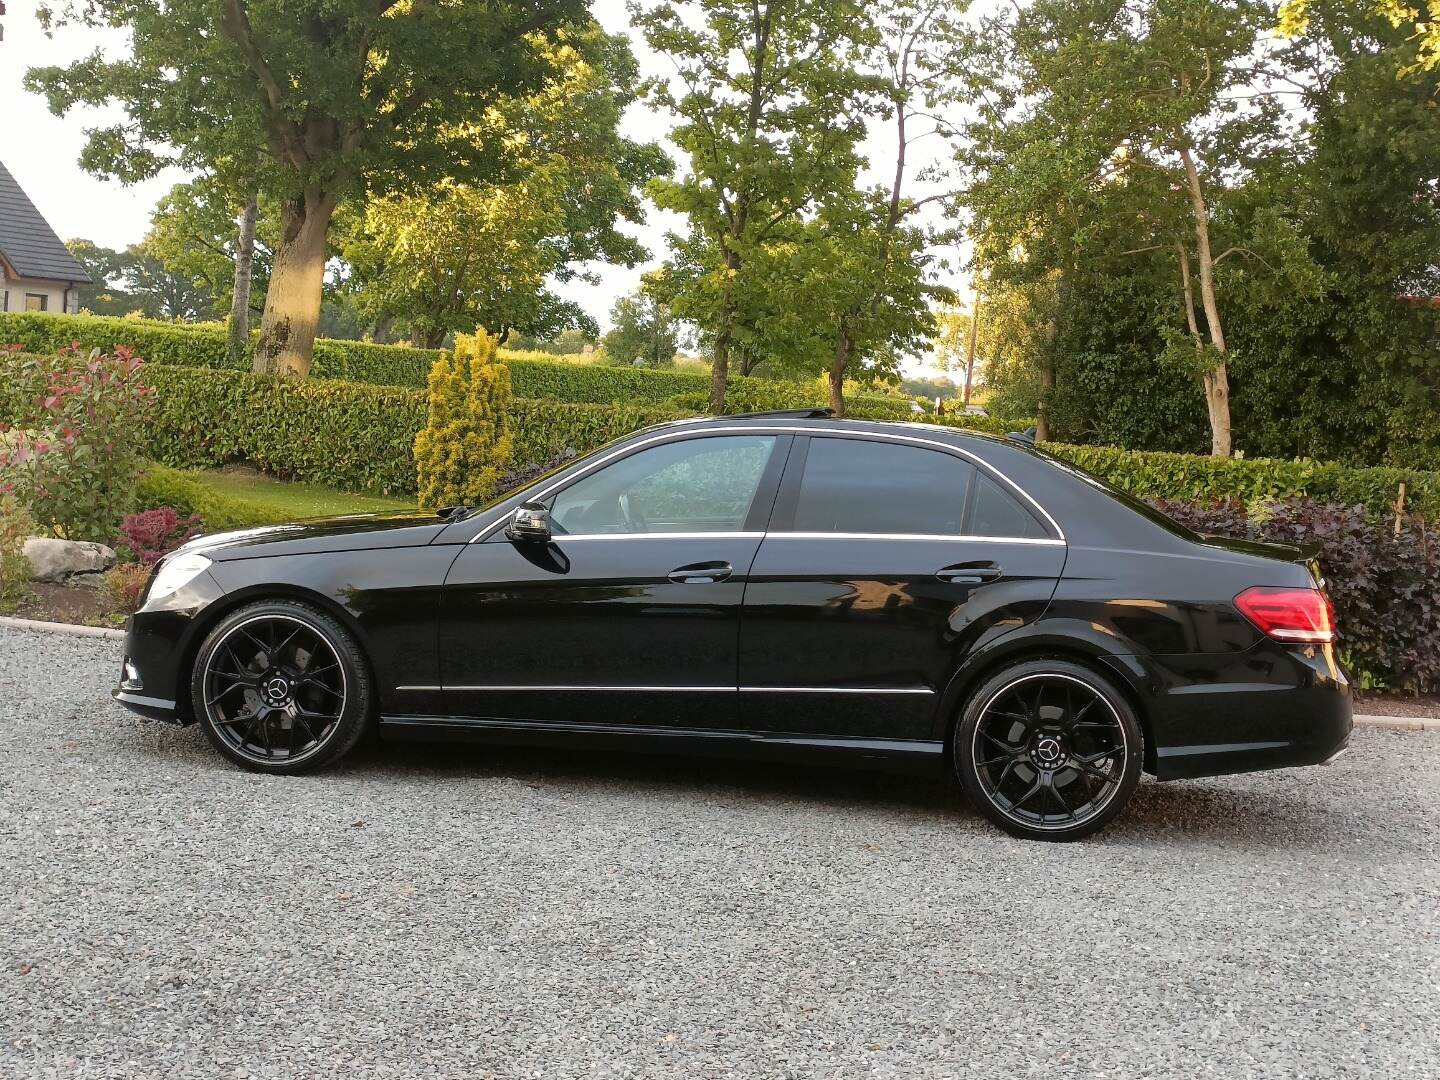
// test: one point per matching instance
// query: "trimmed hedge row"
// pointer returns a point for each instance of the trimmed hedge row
(191, 345)
(1194, 478)
(352, 436)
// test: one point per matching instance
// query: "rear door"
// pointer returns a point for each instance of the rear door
(887, 558)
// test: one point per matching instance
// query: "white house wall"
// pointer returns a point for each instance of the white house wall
(15, 291)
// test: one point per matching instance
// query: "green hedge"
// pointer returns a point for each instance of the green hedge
(352, 436)
(191, 345)
(204, 345)
(1197, 478)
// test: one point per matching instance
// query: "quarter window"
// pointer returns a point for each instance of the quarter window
(695, 485)
(861, 486)
(997, 513)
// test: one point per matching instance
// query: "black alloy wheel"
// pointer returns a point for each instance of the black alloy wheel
(281, 687)
(1049, 750)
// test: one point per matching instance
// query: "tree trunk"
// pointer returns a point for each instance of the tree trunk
(292, 305)
(970, 348)
(720, 362)
(843, 347)
(1216, 379)
(434, 339)
(1047, 362)
(239, 337)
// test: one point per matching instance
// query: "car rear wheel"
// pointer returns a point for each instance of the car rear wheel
(1049, 750)
(281, 687)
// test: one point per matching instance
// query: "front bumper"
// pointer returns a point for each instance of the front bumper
(1273, 707)
(154, 708)
(159, 639)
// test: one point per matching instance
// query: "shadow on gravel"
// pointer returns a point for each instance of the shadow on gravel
(1262, 811)
(661, 773)
(1249, 814)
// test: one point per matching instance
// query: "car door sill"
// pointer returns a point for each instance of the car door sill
(901, 755)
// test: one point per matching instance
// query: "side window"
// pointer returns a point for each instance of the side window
(695, 485)
(862, 486)
(997, 513)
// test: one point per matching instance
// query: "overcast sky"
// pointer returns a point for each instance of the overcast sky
(42, 150)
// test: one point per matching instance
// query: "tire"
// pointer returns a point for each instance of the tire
(1048, 750)
(281, 687)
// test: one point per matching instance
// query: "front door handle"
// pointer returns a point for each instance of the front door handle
(701, 573)
(969, 573)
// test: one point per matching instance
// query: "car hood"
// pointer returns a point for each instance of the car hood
(350, 532)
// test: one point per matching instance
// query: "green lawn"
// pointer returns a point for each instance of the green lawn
(293, 500)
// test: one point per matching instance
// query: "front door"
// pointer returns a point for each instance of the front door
(630, 616)
(885, 562)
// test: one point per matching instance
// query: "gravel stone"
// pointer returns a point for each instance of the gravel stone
(473, 912)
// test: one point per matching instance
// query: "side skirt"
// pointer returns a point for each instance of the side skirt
(908, 756)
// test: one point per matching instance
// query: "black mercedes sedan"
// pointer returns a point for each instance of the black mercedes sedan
(787, 585)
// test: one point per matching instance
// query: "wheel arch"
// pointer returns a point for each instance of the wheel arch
(1015, 649)
(213, 613)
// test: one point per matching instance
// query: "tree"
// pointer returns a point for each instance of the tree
(1096, 119)
(769, 96)
(458, 255)
(1422, 29)
(334, 99)
(194, 233)
(955, 344)
(643, 331)
(465, 446)
(886, 255)
(105, 295)
(136, 280)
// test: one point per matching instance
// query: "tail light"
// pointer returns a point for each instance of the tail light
(1295, 616)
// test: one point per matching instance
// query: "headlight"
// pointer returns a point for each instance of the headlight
(175, 574)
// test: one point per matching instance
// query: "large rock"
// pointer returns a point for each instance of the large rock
(58, 561)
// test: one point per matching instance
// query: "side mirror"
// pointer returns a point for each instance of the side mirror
(530, 524)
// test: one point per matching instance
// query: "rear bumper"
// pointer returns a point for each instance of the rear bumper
(1273, 707)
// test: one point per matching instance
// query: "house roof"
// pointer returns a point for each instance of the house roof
(27, 242)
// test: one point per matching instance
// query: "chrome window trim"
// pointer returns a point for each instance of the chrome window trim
(781, 429)
(1047, 541)
(570, 537)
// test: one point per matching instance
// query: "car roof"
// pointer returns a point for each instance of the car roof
(817, 420)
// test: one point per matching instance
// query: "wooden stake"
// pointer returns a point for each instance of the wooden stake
(1400, 508)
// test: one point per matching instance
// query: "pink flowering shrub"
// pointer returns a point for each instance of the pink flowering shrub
(71, 456)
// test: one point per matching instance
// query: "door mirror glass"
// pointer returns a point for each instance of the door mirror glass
(530, 523)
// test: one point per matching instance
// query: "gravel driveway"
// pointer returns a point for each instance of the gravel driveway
(466, 913)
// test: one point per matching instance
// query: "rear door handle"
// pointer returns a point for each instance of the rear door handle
(701, 573)
(969, 573)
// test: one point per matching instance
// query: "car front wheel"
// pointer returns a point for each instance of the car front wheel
(1049, 750)
(281, 687)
